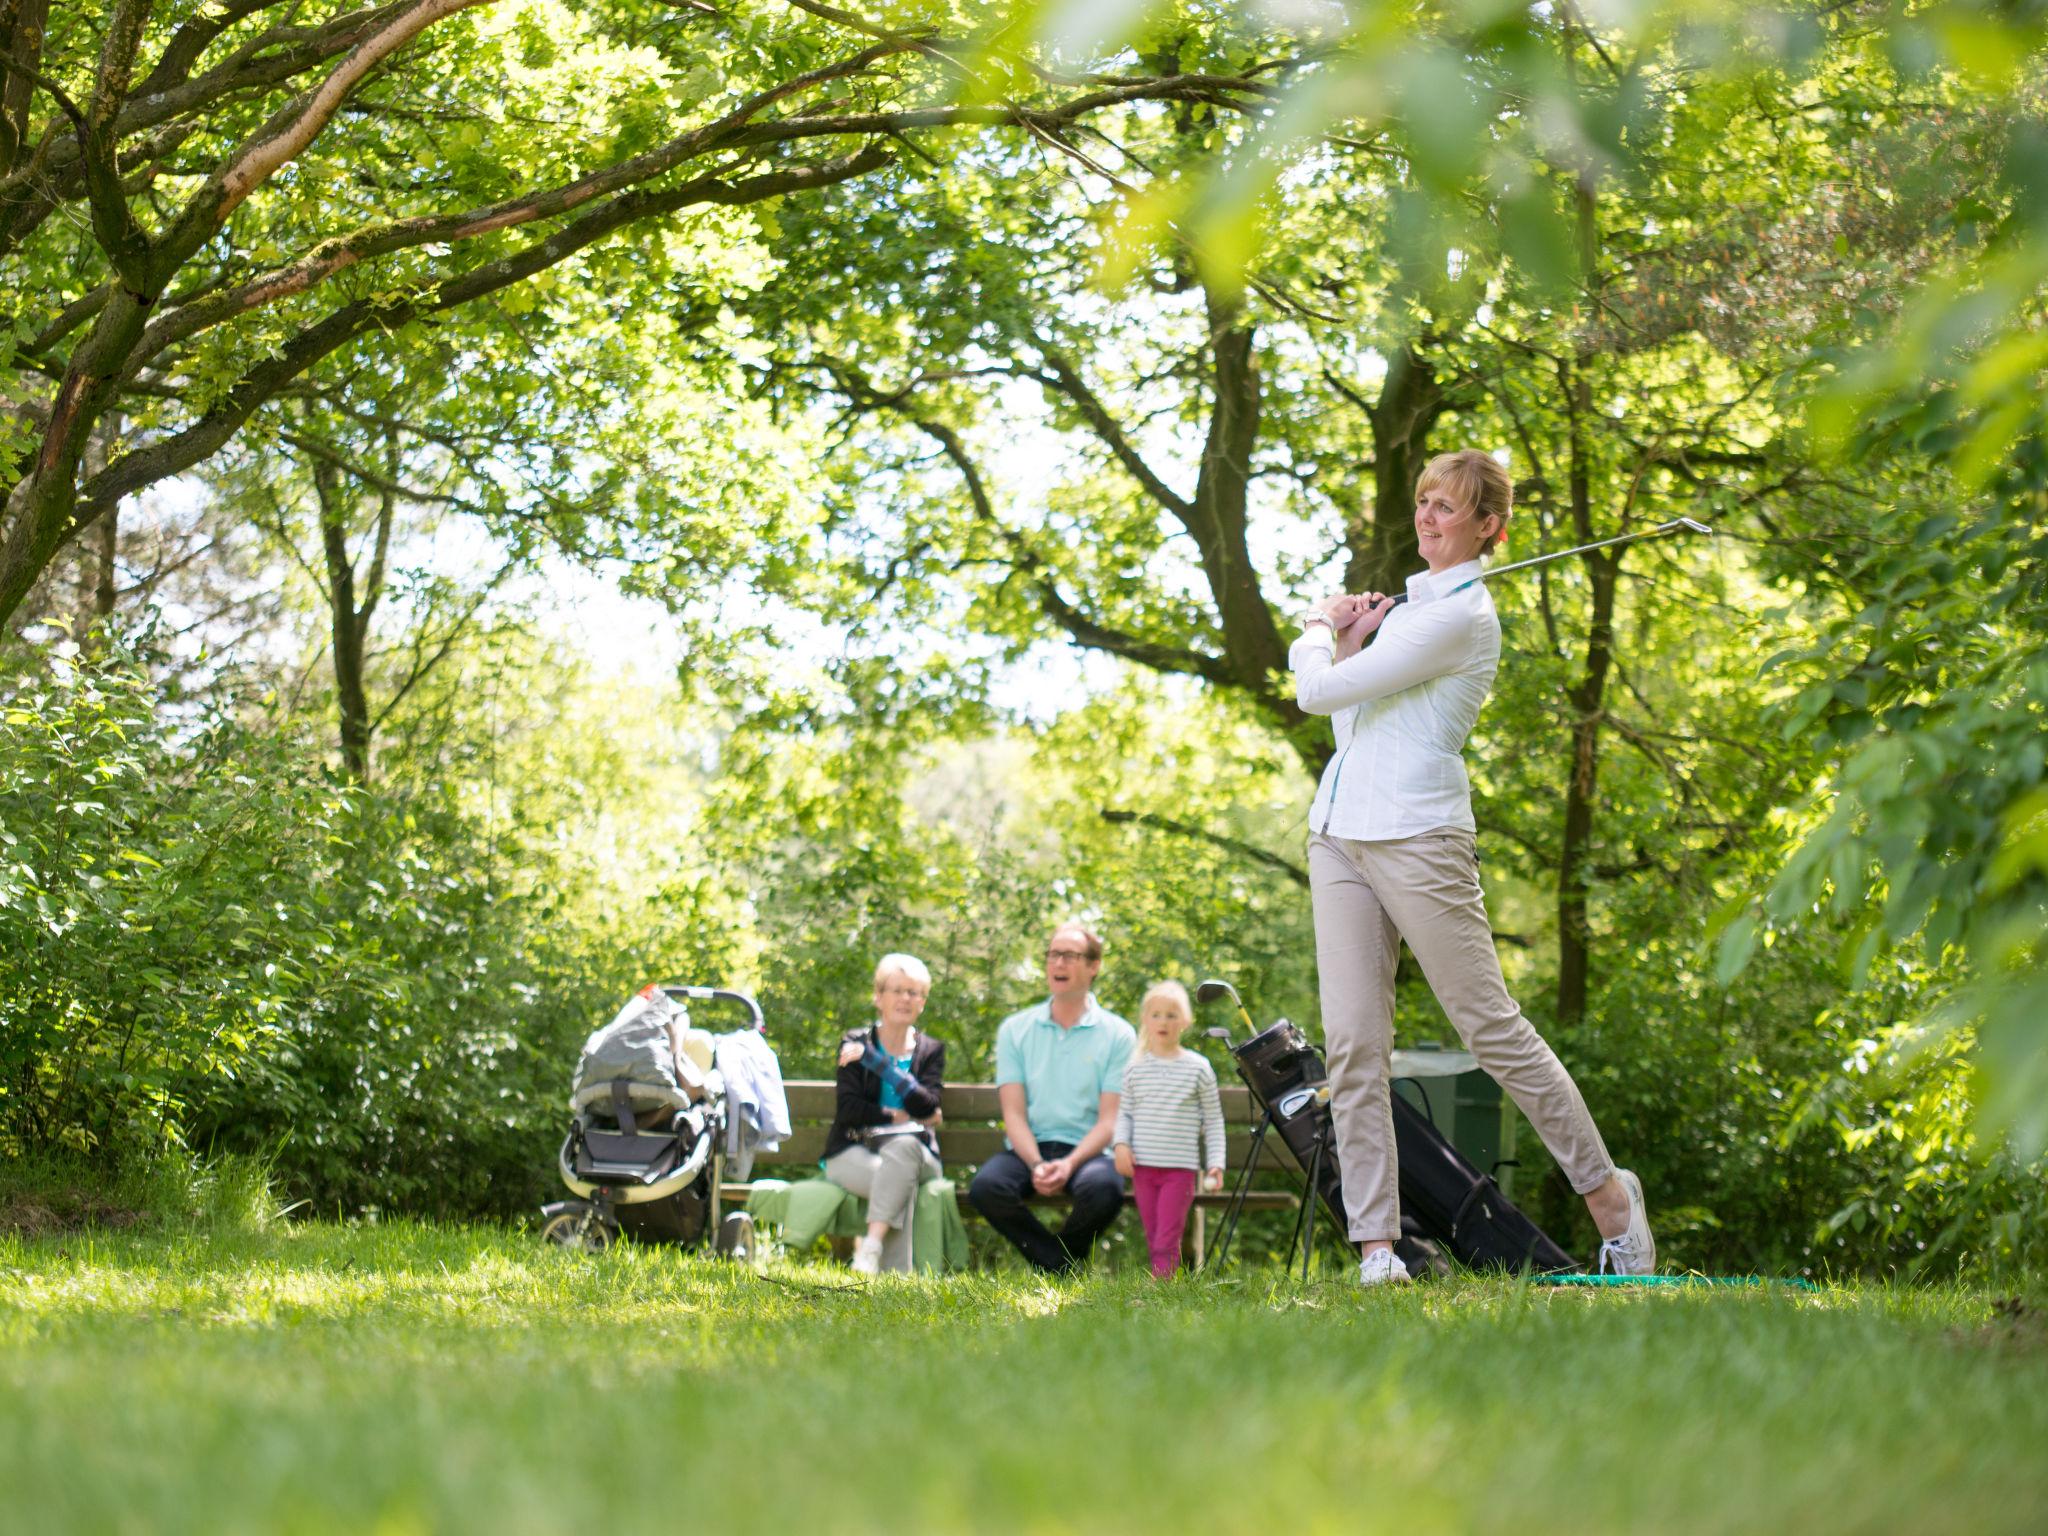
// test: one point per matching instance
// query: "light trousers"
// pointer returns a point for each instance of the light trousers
(1368, 897)
(887, 1178)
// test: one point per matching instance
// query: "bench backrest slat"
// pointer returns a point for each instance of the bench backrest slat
(813, 1100)
(973, 1132)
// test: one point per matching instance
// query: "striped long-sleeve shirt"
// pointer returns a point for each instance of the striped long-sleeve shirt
(1171, 1112)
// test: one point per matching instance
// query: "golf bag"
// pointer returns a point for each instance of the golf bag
(1445, 1201)
(1463, 1208)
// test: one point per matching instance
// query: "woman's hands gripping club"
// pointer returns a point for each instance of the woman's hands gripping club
(1353, 618)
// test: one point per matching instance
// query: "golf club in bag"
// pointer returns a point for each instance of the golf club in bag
(1447, 1205)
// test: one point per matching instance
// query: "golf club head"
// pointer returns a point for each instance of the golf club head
(1692, 526)
(1208, 991)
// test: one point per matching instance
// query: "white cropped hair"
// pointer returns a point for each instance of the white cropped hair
(906, 965)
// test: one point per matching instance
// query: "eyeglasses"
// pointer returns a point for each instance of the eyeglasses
(902, 991)
(1077, 956)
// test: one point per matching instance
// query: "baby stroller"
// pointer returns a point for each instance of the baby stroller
(643, 1152)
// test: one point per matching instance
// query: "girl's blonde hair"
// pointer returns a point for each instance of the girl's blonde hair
(1172, 989)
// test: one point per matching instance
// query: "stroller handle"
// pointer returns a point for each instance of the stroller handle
(681, 990)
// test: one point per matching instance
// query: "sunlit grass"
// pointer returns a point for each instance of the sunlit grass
(417, 1378)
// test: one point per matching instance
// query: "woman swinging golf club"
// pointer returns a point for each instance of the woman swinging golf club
(1391, 857)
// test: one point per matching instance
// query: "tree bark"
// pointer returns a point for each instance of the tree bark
(348, 615)
(1588, 693)
(98, 585)
(107, 548)
(1220, 515)
(21, 36)
(1383, 550)
(1575, 865)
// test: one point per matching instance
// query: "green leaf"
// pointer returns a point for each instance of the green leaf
(1738, 944)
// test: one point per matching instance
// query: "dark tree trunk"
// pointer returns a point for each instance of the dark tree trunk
(1221, 514)
(349, 607)
(1383, 551)
(1575, 863)
(106, 547)
(21, 38)
(347, 624)
(1588, 694)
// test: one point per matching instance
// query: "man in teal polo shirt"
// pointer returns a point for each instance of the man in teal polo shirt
(1059, 1072)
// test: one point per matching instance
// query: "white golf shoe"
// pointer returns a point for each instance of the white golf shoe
(1380, 1267)
(1635, 1251)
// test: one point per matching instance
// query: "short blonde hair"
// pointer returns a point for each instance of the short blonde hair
(1476, 480)
(1172, 989)
(903, 965)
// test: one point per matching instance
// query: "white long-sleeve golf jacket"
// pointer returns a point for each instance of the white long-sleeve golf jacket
(1402, 708)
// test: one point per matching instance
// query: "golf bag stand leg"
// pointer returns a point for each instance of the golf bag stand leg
(1221, 1252)
(1310, 1199)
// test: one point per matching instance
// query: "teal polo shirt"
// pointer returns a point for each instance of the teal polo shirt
(1065, 1072)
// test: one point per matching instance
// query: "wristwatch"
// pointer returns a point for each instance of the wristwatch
(1309, 617)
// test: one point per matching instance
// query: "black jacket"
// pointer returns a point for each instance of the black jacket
(860, 1091)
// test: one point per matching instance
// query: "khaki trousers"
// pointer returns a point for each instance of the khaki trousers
(1368, 897)
(888, 1180)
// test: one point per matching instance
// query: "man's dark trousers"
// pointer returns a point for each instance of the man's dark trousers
(1003, 1185)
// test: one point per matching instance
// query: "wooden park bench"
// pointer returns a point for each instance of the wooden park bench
(973, 1132)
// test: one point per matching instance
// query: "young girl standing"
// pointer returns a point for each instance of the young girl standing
(1170, 1117)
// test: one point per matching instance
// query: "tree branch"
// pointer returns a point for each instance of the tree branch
(1234, 845)
(145, 466)
(21, 52)
(190, 42)
(1066, 378)
(126, 247)
(388, 485)
(422, 666)
(732, 131)
(1032, 566)
(281, 140)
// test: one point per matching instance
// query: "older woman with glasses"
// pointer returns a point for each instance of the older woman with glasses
(1391, 856)
(883, 1142)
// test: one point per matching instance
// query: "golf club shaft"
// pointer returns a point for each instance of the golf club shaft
(1677, 525)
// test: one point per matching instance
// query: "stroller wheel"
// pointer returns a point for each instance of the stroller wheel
(575, 1225)
(737, 1240)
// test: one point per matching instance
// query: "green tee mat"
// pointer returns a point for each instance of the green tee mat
(1640, 1280)
(811, 1208)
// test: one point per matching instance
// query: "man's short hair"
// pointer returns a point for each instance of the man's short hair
(1091, 940)
(903, 965)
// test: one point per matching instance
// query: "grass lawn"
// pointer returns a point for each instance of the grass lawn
(406, 1378)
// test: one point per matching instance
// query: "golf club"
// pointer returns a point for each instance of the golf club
(1676, 525)
(1208, 991)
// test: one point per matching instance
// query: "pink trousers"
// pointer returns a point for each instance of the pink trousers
(1164, 1196)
